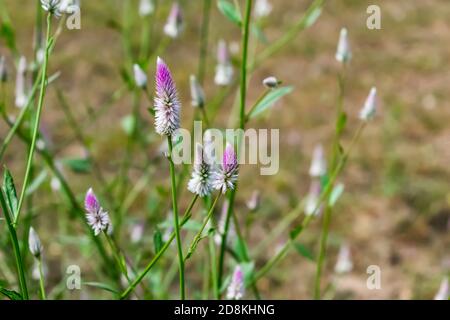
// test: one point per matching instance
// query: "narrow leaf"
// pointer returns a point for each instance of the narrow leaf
(82, 165)
(295, 232)
(157, 241)
(270, 99)
(230, 11)
(10, 294)
(102, 286)
(10, 192)
(338, 190)
(304, 251)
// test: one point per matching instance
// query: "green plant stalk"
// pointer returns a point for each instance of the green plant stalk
(198, 236)
(213, 263)
(175, 218)
(41, 279)
(117, 256)
(242, 120)
(16, 248)
(204, 41)
(186, 217)
(37, 121)
(306, 221)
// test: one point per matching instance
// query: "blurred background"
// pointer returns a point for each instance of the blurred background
(395, 211)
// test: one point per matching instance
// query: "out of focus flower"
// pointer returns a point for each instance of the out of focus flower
(343, 52)
(236, 288)
(312, 199)
(318, 166)
(262, 8)
(3, 70)
(225, 178)
(253, 202)
(231, 236)
(174, 24)
(67, 6)
(201, 180)
(137, 232)
(167, 105)
(52, 7)
(209, 150)
(197, 94)
(34, 243)
(344, 262)
(224, 69)
(21, 96)
(97, 218)
(370, 106)
(271, 82)
(140, 78)
(35, 273)
(443, 293)
(146, 7)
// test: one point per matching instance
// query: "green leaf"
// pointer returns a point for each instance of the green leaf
(248, 269)
(10, 193)
(128, 124)
(338, 190)
(312, 17)
(36, 183)
(102, 286)
(270, 99)
(304, 251)
(342, 121)
(157, 241)
(241, 249)
(295, 232)
(78, 165)
(7, 33)
(230, 12)
(11, 294)
(259, 34)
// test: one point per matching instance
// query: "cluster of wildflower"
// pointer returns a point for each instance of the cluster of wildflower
(96, 217)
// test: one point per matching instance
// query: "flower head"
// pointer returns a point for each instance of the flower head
(344, 262)
(225, 178)
(96, 217)
(201, 180)
(52, 7)
(146, 7)
(34, 243)
(443, 293)
(224, 69)
(370, 106)
(140, 78)
(271, 82)
(3, 71)
(197, 94)
(21, 96)
(319, 163)
(174, 24)
(236, 289)
(262, 8)
(167, 105)
(343, 52)
(312, 199)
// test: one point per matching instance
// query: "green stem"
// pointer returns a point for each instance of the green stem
(41, 279)
(204, 41)
(16, 248)
(186, 217)
(37, 121)
(175, 218)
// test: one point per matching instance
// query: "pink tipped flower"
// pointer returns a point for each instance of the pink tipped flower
(344, 262)
(174, 24)
(201, 180)
(167, 105)
(96, 217)
(226, 176)
(370, 106)
(319, 163)
(236, 289)
(197, 94)
(343, 52)
(224, 69)
(140, 78)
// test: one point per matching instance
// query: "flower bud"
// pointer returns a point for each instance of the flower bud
(34, 243)
(343, 53)
(197, 94)
(271, 82)
(369, 109)
(140, 78)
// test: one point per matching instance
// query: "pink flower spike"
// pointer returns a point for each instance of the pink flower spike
(91, 203)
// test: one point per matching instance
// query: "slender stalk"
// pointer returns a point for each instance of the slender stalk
(204, 41)
(175, 218)
(186, 217)
(41, 279)
(242, 120)
(37, 121)
(16, 248)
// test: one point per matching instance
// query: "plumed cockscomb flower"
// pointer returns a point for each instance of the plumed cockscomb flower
(167, 105)
(52, 7)
(319, 163)
(262, 8)
(140, 78)
(197, 94)
(21, 96)
(3, 70)
(370, 106)
(146, 7)
(343, 52)
(344, 262)
(443, 293)
(201, 180)
(34, 243)
(312, 199)
(236, 289)
(174, 24)
(225, 178)
(224, 69)
(96, 217)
